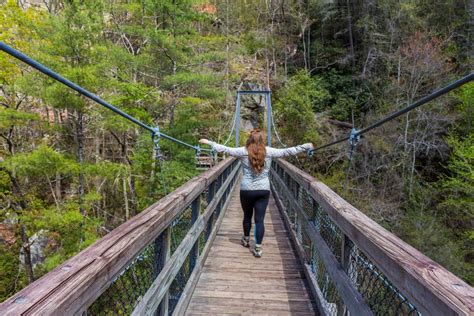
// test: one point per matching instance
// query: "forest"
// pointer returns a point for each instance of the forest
(71, 171)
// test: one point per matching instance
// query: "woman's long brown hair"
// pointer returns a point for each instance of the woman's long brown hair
(256, 150)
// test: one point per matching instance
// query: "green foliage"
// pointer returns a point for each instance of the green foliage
(427, 231)
(10, 117)
(9, 262)
(17, 27)
(466, 108)
(65, 228)
(344, 95)
(295, 106)
(459, 184)
(252, 44)
(41, 162)
(107, 170)
(191, 80)
(456, 206)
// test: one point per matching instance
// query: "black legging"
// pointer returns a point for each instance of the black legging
(258, 200)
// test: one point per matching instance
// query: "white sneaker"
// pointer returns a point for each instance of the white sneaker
(257, 251)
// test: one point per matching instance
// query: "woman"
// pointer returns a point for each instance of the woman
(256, 160)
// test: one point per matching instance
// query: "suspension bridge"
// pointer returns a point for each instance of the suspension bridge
(181, 255)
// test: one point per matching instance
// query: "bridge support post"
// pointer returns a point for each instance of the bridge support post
(346, 248)
(162, 255)
(269, 118)
(194, 254)
(210, 196)
(345, 255)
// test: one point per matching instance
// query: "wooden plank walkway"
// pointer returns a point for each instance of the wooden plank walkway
(234, 282)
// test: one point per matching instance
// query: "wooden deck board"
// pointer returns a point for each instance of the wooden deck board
(234, 282)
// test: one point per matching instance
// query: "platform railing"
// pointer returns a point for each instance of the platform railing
(355, 266)
(147, 266)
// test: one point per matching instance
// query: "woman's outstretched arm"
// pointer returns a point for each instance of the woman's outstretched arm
(291, 151)
(236, 152)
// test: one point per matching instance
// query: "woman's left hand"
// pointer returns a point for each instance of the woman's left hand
(204, 141)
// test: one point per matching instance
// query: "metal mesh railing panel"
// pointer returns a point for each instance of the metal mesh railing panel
(332, 300)
(129, 286)
(179, 228)
(204, 202)
(329, 231)
(178, 284)
(203, 237)
(308, 205)
(307, 244)
(381, 295)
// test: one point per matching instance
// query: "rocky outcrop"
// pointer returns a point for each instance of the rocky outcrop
(253, 109)
(39, 242)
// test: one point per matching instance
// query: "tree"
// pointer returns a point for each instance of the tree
(295, 107)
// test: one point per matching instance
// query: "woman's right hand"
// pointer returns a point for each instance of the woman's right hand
(309, 146)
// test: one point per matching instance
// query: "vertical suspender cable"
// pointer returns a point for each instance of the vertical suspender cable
(269, 118)
(237, 120)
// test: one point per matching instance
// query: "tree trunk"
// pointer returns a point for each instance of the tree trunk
(309, 46)
(16, 189)
(57, 183)
(80, 160)
(57, 186)
(125, 198)
(27, 253)
(304, 48)
(133, 194)
(349, 26)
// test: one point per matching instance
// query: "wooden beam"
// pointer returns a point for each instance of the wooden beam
(430, 287)
(351, 297)
(74, 285)
(165, 248)
(196, 210)
(160, 286)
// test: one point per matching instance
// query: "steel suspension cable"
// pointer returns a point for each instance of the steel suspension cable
(232, 128)
(52, 74)
(276, 133)
(426, 99)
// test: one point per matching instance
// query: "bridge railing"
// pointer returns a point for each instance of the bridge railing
(148, 265)
(356, 266)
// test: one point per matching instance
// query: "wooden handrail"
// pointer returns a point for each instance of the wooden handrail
(433, 289)
(74, 285)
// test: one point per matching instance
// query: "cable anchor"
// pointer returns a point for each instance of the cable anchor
(156, 136)
(354, 137)
(198, 150)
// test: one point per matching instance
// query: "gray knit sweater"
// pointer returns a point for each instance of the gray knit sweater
(252, 180)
